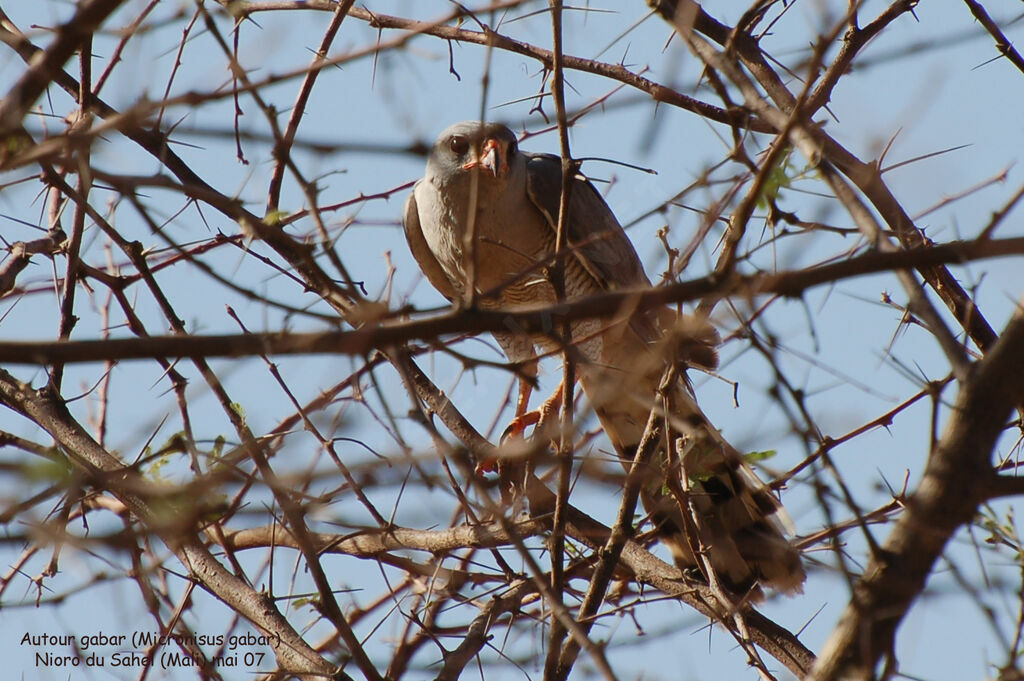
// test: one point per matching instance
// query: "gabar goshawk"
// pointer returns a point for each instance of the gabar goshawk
(701, 494)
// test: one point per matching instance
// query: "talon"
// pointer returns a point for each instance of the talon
(519, 424)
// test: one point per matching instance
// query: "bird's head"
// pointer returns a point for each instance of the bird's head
(470, 146)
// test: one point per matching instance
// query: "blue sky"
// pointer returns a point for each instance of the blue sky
(919, 89)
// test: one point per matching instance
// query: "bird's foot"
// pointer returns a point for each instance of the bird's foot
(513, 432)
(544, 418)
(518, 425)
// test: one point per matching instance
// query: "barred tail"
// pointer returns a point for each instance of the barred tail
(702, 494)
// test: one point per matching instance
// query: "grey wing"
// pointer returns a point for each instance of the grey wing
(596, 237)
(421, 250)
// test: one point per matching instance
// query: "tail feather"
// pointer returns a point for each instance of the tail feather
(703, 495)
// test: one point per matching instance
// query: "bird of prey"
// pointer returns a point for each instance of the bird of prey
(486, 213)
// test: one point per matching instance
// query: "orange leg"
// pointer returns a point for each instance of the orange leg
(524, 419)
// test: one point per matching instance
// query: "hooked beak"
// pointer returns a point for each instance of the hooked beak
(493, 157)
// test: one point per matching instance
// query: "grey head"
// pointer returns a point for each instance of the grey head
(489, 149)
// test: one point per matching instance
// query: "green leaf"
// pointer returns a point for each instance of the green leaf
(780, 177)
(753, 457)
(274, 217)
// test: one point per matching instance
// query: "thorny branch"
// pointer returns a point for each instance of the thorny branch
(275, 522)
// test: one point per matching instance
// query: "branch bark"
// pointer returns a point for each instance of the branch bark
(15, 105)
(387, 334)
(124, 482)
(959, 476)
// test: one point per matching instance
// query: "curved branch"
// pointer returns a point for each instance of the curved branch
(386, 334)
(773, 638)
(374, 541)
(647, 568)
(958, 478)
(109, 472)
(489, 37)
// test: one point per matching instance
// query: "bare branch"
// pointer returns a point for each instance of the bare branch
(956, 480)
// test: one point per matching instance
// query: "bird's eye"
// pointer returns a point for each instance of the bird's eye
(513, 147)
(459, 144)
